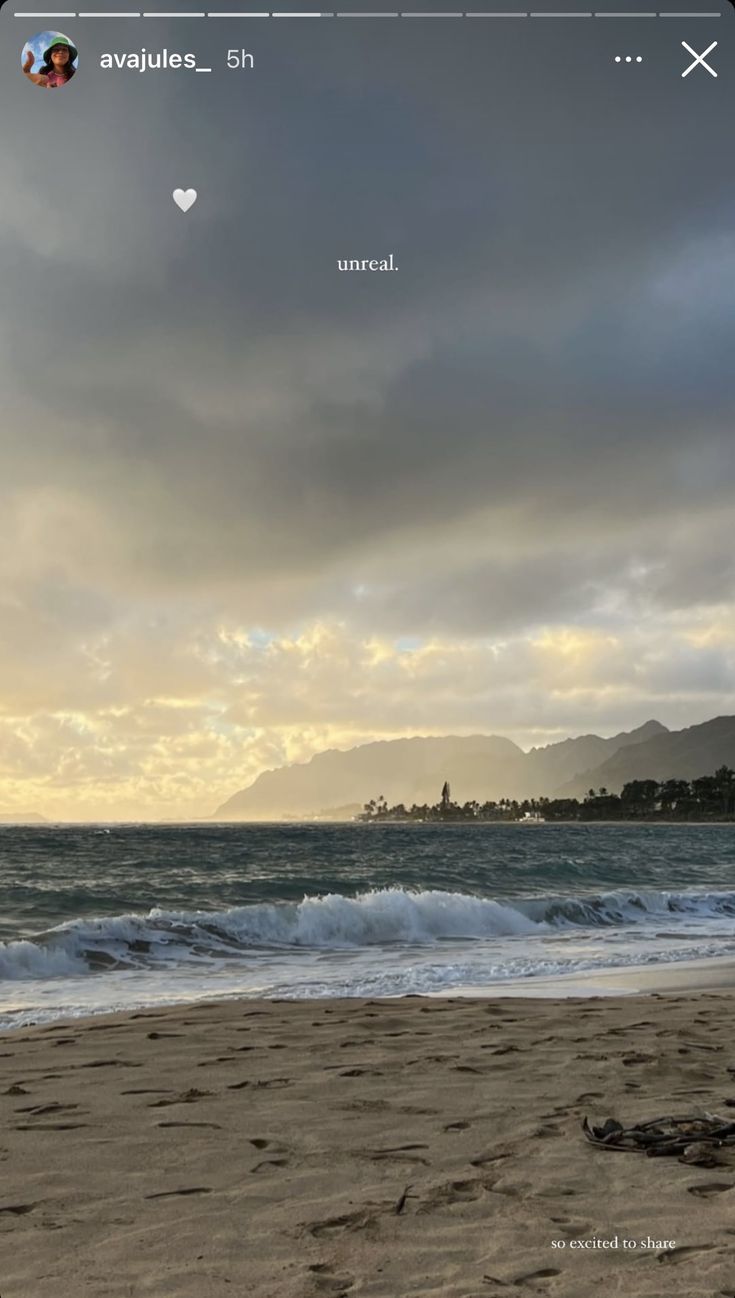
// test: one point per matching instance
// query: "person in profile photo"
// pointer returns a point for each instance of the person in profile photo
(57, 56)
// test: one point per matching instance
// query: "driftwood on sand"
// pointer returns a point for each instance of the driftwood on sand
(694, 1136)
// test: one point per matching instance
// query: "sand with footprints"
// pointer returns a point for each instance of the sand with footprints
(346, 1149)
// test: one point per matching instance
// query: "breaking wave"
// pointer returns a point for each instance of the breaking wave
(377, 918)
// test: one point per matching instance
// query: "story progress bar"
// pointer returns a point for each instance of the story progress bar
(410, 13)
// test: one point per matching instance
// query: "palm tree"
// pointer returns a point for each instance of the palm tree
(726, 784)
(672, 792)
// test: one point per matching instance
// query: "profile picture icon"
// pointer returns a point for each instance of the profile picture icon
(49, 59)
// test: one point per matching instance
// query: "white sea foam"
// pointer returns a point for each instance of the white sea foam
(31, 960)
(380, 918)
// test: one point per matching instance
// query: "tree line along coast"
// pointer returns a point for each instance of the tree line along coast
(708, 798)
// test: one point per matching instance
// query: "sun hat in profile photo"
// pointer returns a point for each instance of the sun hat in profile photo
(58, 56)
(61, 42)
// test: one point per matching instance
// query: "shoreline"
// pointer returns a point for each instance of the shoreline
(634, 982)
(714, 973)
(297, 821)
(463, 824)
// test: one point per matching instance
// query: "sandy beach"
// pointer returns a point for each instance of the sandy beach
(419, 1147)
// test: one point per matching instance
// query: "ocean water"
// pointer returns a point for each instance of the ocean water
(99, 918)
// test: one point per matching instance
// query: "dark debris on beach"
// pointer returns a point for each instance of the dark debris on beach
(693, 1138)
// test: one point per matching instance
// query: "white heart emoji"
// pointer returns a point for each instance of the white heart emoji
(185, 198)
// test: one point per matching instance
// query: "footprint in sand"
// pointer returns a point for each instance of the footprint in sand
(145, 1090)
(482, 1160)
(398, 1149)
(328, 1281)
(532, 1277)
(556, 1192)
(215, 1126)
(275, 1151)
(347, 1223)
(576, 1229)
(396, 1155)
(444, 1196)
(111, 1063)
(675, 1255)
(50, 1126)
(115, 1027)
(365, 1106)
(266, 1083)
(37, 1110)
(710, 1188)
(361, 1072)
(171, 1194)
(186, 1097)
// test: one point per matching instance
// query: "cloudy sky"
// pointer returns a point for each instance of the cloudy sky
(251, 507)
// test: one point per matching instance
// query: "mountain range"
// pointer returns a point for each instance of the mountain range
(482, 767)
(22, 818)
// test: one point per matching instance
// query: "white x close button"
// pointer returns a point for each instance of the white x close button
(699, 59)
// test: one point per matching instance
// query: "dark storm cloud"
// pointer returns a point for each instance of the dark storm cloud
(531, 403)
